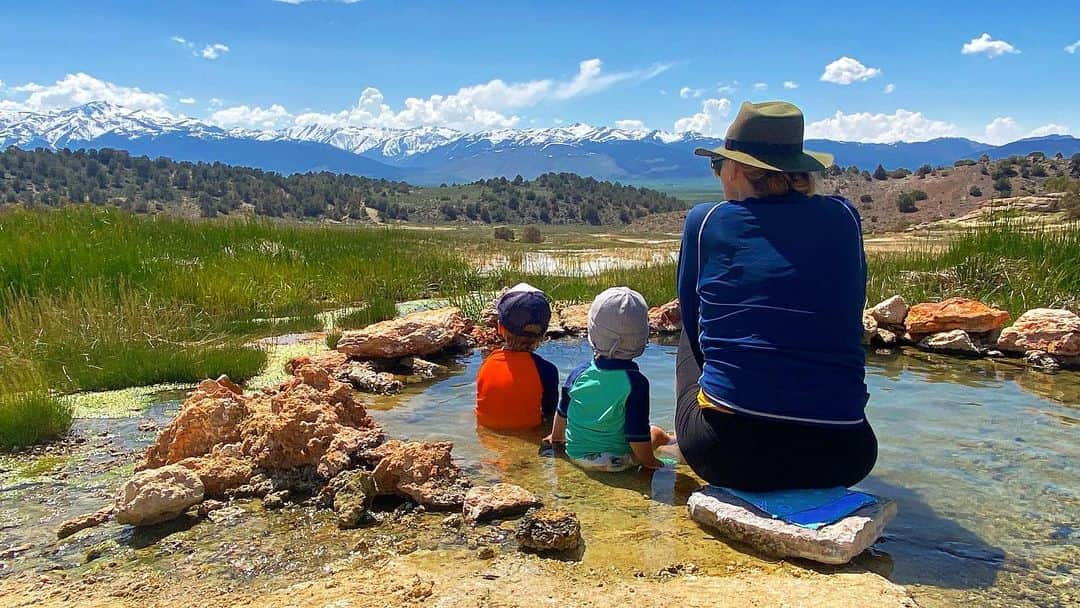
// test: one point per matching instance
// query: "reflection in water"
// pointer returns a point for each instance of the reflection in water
(576, 262)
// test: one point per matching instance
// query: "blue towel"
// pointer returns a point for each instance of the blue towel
(811, 509)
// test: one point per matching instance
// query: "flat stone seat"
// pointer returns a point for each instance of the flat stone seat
(836, 543)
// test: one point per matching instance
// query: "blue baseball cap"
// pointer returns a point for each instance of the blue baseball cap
(524, 311)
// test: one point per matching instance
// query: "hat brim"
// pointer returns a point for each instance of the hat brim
(787, 163)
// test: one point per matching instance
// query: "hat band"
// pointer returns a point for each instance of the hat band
(754, 148)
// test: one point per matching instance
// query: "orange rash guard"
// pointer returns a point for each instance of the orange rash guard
(515, 390)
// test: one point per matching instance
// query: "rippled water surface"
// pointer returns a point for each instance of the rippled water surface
(981, 456)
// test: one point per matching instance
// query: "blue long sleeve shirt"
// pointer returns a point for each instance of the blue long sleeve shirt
(772, 292)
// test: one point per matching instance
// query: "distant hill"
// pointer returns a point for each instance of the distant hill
(161, 185)
(429, 156)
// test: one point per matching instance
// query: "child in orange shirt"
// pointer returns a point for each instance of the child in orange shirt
(516, 389)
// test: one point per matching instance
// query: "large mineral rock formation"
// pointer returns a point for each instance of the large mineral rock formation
(498, 500)
(219, 473)
(157, 495)
(209, 417)
(421, 333)
(666, 318)
(891, 311)
(422, 472)
(549, 530)
(332, 361)
(971, 316)
(1054, 331)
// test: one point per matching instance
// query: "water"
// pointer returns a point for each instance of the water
(981, 456)
(578, 262)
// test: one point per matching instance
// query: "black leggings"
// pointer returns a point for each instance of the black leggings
(758, 455)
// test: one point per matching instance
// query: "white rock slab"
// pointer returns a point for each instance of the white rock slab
(836, 543)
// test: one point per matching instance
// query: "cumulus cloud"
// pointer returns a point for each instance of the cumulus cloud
(1001, 130)
(687, 93)
(1049, 129)
(760, 86)
(889, 88)
(631, 125)
(901, 125)
(1072, 48)
(711, 120)
(988, 46)
(847, 70)
(482, 106)
(186, 100)
(251, 117)
(79, 88)
(213, 51)
(791, 84)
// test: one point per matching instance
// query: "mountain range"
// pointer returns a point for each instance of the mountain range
(430, 155)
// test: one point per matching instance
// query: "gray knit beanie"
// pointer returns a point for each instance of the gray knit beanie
(619, 324)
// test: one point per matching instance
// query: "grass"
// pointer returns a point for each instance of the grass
(29, 413)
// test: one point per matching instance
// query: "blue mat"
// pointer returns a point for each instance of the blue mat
(811, 509)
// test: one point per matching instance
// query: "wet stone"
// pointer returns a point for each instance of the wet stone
(498, 500)
(549, 530)
(353, 498)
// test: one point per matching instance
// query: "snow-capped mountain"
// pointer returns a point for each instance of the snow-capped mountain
(434, 154)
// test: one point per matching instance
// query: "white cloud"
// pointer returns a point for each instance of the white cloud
(216, 102)
(1049, 129)
(251, 117)
(760, 86)
(687, 93)
(985, 44)
(631, 125)
(213, 51)
(182, 41)
(79, 88)
(1072, 48)
(791, 84)
(1002, 130)
(481, 106)
(847, 70)
(186, 100)
(880, 128)
(711, 120)
(889, 88)
(727, 89)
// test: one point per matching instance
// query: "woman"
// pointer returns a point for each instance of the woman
(772, 283)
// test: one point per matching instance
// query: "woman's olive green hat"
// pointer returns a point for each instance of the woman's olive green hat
(769, 136)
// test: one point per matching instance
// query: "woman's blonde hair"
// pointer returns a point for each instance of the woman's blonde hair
(776, 183)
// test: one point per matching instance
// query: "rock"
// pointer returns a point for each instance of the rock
(555, 329)
(1042, 361)
(82, 522)
(100, 550)
(422, 472)
(498, 500)
(453, 520)
(485, 552)
(156, 495)
(666, 318)
(885, 337)
(207, 507)
(575, 319)
(955, 313)
(423, 367)
(310, 420)
(549, 530)
(836, 543)
(891, 311)
(364, 378)
(956, 341)
(210, 416)
(870, 327)
(1051, 330)
(275, 500)
(481, 337)
(421, 333)
(219, 473)
(226, 516)
(332, 361)
(353, 498)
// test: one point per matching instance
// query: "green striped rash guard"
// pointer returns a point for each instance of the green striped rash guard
(606, 406)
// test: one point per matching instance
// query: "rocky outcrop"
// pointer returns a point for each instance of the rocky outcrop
(422, 472)
(575, 319)
(549, 530)
(971, 316)
(219, 473)
(496, 501)
(331, 361)
(666, 318)
(353, 493)
(421, 333)
(363, 377)
(1054, 331)
(82, 522)
(956, 341)
(891, 311)
(157, 495)
(210, 416)
(423, 368)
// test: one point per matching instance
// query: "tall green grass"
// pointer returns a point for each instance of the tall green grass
(29, 413)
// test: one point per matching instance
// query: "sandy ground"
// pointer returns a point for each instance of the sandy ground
(457, 578)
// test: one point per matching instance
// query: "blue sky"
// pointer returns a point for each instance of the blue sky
(860, 71)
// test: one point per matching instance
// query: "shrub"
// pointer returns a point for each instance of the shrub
(503, 233)
(919, 195)
(866, 198)
(924, 170)
(906, 202)
(900, 173)
(531, 234)
(964, 163)
(974, 191)
(1058, 184)
(880, 174)
(1003, 185)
